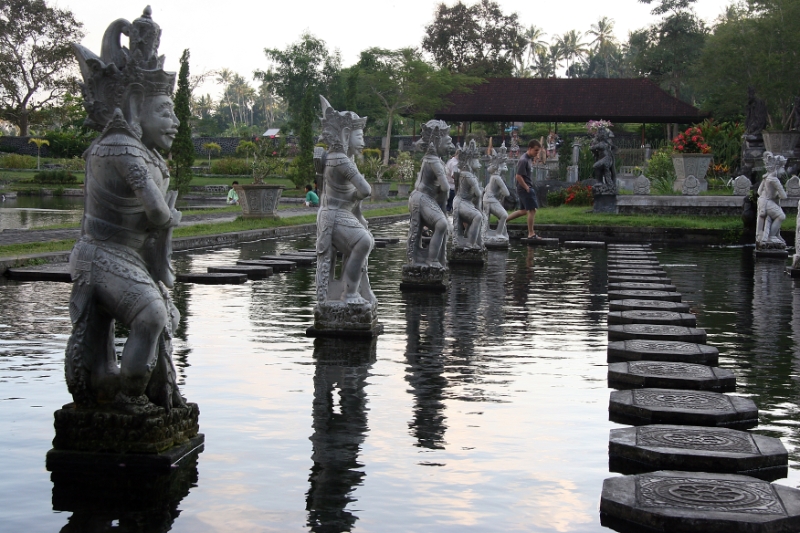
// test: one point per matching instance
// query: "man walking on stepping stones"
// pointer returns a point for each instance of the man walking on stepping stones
(525, 191)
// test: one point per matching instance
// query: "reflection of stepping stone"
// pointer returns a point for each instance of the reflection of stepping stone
(668, 501)
(640, 285)
(584, 244)
(721, 450)
(541, 241)
(645, 294)
(47, 272)
(632, 304)
(633, 279)
(692, 408)
(302, 260)
(644, 350)
(650, 316)
(212, 278)
(669, 375)
(636, 272)
(252, 272)
(651, 332)
(277, 266)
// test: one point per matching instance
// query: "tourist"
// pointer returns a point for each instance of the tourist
(450, 169)
(525, 191)
(233, 196)
(312, 200)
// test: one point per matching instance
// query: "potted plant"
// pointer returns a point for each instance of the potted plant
(405, 173)
(372, 166)
(259, 199)
(691, 157)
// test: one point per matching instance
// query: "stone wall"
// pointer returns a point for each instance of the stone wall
(20, 145)
(690, 205)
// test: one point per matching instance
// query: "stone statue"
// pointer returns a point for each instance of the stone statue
(755, 114)
(770, 214)
(513, 151)
(120, 266)
(496, 191)
(427, 266)
(742, 186)
(605, 174)
(347, 305)
(468, 226)
(641, 185)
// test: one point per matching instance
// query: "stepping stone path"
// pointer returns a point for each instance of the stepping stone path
(653, 332)
(641, 285)
(388, 240)
(691, 408)
(720, 450)
(48, 272)
(300, 260)
(632, 304)
(647, 262)
(677, 351)
(636, 272)
(277, 266)
(541, 241)
(641, 279)
(644, 294)
(212, 278)
(669, 500)
(669, 375)
(252, 272)
(584, 244)
(645, 316)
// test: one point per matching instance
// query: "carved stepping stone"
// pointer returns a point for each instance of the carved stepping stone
(669, 375)
(300, 260)
(625, 261)
(720, 450)
(649, 316)
(277, 266)
(691, 408)
(540, 241)
(307, 251)
(677, 501)
(639, 285)
(644, 350)
(645, 294)
(252, 272)
(211, 278)
(651, 332)
(641, 279)
(584, 244)
(632, 304)
(654, 267)
(49, 272)
(631, 253)
(637, 272)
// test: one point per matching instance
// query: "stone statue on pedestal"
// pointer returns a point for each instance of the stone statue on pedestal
(468, 223)
(345, 305)
(605, 174)
(755, 113)
(494, 194)
(770, 214)
(427, 265)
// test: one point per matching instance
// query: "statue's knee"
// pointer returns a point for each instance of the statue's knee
(152, 319)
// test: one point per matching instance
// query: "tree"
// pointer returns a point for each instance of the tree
(35, 57)
(224, 78)
(211, 147)
(183, 147)
(534, 39)
(39, 143)
(604, 41)
(571, 47)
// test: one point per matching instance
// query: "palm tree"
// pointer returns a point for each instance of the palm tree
(534, 38)
(571, 46)
(225, 77)
(604, 39)
(543, 65)
(39, 143)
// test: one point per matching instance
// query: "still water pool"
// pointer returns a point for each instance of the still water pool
(481, 410)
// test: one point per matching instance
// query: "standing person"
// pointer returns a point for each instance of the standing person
(449, 170)
(312, 200)
(525, 191)
(233, 196)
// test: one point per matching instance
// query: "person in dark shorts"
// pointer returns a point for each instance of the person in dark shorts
(525, 191)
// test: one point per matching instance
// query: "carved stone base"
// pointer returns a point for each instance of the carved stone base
(772, 251)
(467, 256)
(425, 278)
(339, 319)
(794, 272)
(496, 243)
(605, 203)
(107, 430)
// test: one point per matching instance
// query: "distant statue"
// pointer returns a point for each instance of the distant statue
(755, 114)
(603, 149)
(120, 266)
(346, 303)
(770, 214)
(467, 212)
(496, 191)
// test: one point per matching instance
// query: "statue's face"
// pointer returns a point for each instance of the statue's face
(446, 146)
(475, 163)
(356, 142)
(159, 123)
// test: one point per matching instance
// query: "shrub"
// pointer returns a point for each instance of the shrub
(369, 153)
(60, 177)
(18, 161)
(661, 171)
(69, 144)
(231, 166)
(76, 164)
(575, 195)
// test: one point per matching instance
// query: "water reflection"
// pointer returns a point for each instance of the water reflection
(340, 425)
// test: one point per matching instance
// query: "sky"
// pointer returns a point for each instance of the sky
(234, 33)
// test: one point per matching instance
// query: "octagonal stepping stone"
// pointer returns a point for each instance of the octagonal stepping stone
(654, 332)
(212, 278)
(645, 350)
(277, 266)
(301, 260)
(669, 375)
(48, 272)
(631, 304)
(634, 279)
(638, 407)
(678, 501)
(252, 272)
(540, 241)
(622, 264)
(650, 316)
(637, 285)
(720, 450)
(584, 244)
(636, 272)
(644, 294)
(626, 261)
(613, 252)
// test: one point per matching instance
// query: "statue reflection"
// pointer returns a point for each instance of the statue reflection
(340, 425)
(770, 308)
(494, 289)
(425, 314)
(111, 500)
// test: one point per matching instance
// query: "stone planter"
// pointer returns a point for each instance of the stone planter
(403, 190)
(380, 190)
(781, 142)
(259, 201)
(691, 165)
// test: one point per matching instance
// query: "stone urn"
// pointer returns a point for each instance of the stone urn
(403, 190)
(691, 165)
(380, 190)
(259, 200)
(781, 142)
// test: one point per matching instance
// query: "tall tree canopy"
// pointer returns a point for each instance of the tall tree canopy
(35, 57)
(183, 147)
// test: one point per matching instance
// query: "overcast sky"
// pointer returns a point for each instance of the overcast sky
(234, 33)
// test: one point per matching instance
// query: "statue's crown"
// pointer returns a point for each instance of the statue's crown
(107, 78)
(498, 157)
(773, 162)
(468, 153)
(334, 122)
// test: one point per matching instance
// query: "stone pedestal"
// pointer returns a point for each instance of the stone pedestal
(259, 200)
(380, 190)
(340, 319)
(466, 256)
(687, 165)
(496, 243)
(605, 203)
(781, 142)
(771, 253)
(403, 190)
(425, 278)
(572, 174)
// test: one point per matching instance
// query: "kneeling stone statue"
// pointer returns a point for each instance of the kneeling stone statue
(468, 221)
(496, 191)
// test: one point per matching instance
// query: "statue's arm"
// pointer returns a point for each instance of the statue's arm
(503, 189)
(441, 177)
(136, 173)
(359, 182)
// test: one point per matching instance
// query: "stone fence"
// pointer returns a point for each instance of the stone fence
(21, 145)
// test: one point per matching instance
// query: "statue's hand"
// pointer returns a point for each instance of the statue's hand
(174, 218)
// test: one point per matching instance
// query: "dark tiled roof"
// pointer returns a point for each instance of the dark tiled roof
(568, 100)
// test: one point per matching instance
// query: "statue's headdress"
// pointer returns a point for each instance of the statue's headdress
(334, 122)
(110, 78)
(498, 157)
(432, 132)
(773, 163)
(469, 153)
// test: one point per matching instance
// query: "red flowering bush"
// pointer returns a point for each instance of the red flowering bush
(691, 142)
(576, 195)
